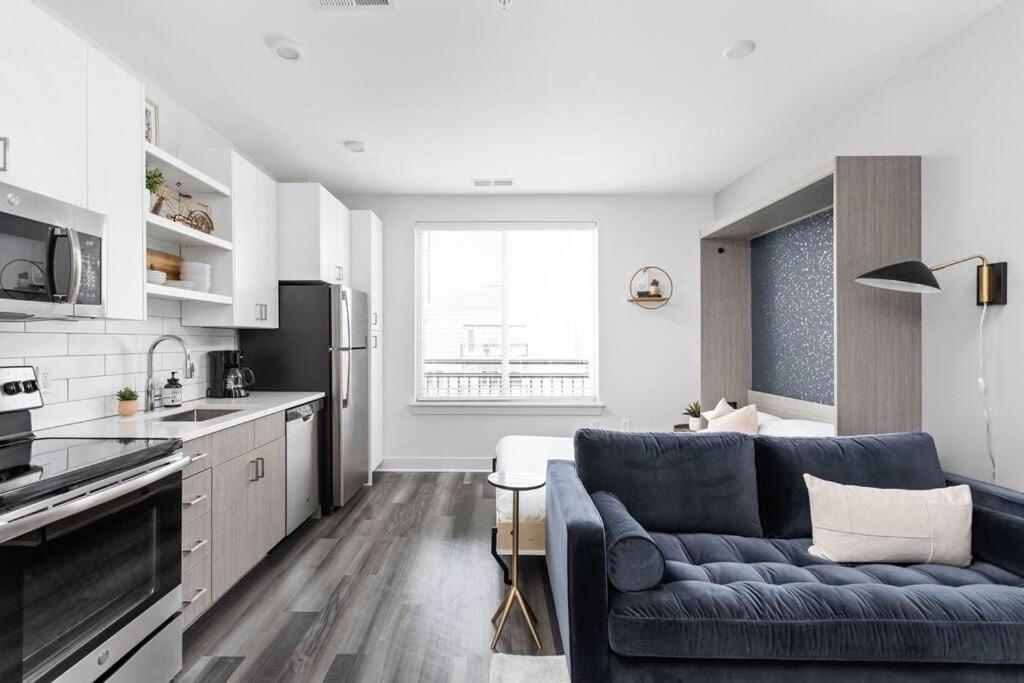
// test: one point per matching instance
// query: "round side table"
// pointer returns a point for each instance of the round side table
(515, 482)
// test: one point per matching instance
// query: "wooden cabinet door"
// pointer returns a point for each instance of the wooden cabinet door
(114, 167)
(237, 538)
(269, 510)
(43, 86)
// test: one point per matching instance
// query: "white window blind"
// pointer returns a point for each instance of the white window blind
(506, 312)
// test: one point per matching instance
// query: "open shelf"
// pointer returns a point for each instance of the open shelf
(177, 171)
(168, 232)
(175, 294)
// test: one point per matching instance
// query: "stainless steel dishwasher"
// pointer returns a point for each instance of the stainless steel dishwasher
(303, 457)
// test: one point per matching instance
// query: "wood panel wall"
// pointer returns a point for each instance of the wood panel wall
(725, 320)
(878, 332)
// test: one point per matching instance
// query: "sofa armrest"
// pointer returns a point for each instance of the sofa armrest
(576, 567)
(997, 530)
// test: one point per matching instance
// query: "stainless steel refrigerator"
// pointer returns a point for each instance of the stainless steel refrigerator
(320, 345)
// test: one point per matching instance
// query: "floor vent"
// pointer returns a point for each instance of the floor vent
(352, 4)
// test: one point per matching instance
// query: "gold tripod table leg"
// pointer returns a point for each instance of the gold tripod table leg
(501, 607)
(504, 616)
(529, 622)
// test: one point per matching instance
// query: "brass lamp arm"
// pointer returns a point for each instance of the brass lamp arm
(984, 262)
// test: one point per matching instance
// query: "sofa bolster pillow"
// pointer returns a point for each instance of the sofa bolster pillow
(635, 562)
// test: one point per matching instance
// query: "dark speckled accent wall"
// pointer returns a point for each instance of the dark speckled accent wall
(792, 310)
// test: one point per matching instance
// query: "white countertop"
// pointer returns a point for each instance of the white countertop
(148, 425)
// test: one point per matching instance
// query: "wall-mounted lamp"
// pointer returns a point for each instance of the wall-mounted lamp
(914, 276)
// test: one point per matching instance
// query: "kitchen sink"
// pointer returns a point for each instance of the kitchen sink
(197, 415)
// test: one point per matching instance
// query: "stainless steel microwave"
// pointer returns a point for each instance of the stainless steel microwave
(51, 258)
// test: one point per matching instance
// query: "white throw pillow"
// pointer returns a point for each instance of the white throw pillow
(797, 428)
(861, 524)
(743, 421)
(723, 408)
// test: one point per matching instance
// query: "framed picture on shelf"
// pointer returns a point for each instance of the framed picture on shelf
(151, 123)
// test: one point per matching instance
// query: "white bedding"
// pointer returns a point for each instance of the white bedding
(527, 454)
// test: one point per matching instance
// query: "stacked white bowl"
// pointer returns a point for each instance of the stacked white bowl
(197, 273)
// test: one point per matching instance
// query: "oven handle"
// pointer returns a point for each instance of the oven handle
(17, 527)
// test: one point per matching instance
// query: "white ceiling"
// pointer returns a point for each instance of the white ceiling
(565, 96)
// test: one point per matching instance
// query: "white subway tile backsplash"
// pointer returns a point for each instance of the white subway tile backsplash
(90, 360)
(54, 414)
(72, 326)
(150, 326)
(107, 385)
(84, 344)
(26, 343)
(56, 392)
(63, 367)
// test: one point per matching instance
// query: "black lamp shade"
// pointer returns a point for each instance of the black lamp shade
(909, 276)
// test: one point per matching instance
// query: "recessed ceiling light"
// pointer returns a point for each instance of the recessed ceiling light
(287, 50)
(355, 146)
(739, 49)
(504, 4)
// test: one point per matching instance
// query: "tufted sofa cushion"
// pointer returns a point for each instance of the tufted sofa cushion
(736, 597)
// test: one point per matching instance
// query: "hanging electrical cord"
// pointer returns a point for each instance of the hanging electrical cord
(982, 390)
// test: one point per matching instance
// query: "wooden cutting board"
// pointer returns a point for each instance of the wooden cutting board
(164, 262)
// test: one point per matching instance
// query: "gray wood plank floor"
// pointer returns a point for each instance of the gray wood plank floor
(398, 586)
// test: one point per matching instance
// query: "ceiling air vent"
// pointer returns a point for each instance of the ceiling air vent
(493, 182)
(352, 4)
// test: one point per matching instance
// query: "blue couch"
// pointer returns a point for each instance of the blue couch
(684, 556)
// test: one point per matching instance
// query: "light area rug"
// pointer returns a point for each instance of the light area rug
(527, 669)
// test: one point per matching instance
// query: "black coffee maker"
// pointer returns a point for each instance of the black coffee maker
(228, 377)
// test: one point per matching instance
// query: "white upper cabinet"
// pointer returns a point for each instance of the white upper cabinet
(43, 76)
(367, 262)
(314, 234)
(248, 219)
(115, 187)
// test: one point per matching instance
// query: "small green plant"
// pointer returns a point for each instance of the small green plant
(693, 410)
(154, 179)
(127, 394)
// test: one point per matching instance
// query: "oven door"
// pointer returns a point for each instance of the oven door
(69, 589)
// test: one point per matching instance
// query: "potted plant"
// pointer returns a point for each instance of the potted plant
(127, 402)
(155, 185)
(693, 412)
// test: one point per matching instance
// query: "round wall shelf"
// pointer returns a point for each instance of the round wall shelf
(650, 287)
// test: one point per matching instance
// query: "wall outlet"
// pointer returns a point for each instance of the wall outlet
(624, 425)
(43, 373)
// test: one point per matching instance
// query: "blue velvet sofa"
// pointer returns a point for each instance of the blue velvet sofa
(684, 557)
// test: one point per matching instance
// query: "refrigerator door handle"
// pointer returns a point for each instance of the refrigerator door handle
(348, 364)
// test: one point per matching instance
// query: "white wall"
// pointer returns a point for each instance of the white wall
(649, 360)
(960, 109)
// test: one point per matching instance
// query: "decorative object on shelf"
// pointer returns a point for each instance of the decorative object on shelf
(151, 123)
(693, 412)
(127, 402)
(156, 187)
(181, 211)
(917, 277)
(650, 287)
(168, 264)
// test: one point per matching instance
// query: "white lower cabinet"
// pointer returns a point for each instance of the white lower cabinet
(376, 400)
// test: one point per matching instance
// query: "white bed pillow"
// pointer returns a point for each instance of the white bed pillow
(797, 428)
(765, 419)
(743, 420)
(723, 408)
(862, 524)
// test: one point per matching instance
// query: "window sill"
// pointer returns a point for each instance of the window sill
(503, 408)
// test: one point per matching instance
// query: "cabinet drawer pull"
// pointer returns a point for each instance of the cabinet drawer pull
(197, 546)
(255, 471)
(195, 501)
(260, 468)
(199, 594)
(198, 456)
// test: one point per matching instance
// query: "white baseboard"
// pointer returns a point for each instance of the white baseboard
(435, 465)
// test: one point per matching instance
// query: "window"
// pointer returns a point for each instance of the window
(506, 312)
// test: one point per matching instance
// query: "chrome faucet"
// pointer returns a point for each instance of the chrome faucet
(188, 372)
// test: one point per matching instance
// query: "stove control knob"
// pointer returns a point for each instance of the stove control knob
(29, 386)
(11, 388)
